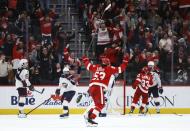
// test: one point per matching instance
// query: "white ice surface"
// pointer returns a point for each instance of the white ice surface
(160, 122)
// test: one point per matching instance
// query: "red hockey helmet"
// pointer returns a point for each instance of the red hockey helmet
(105, 60)
(145, 70)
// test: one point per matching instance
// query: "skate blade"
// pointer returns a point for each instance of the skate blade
(142, 115)
(22, 116)
(65, 117)
(91, 125)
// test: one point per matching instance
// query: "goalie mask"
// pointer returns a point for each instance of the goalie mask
(23, 63)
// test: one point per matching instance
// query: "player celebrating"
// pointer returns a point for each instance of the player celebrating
(143, 81)
(22, 82)
(107, 95)
(98, 83)
(156, 88)
(67, 84)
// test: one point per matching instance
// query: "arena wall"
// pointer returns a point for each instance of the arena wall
(175, 99)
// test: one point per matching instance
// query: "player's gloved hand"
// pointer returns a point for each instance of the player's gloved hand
(126, 58)
(31, 88)
(134, 87)
(57, 91)
(160, 90)
(79, 98)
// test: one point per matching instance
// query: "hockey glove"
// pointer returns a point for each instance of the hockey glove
(79, 98)
(31, 88)
(126, 58)
(57, 91)
(161, 90)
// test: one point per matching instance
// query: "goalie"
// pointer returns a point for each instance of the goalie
(67, 85)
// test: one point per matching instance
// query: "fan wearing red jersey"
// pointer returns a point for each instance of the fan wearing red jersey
(99, 82)
(142, 83)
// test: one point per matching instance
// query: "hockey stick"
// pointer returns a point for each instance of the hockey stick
(38, 106)
(41, 92)
(109, 6)
(177, 114)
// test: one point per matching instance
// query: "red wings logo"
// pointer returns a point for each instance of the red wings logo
(56, 97)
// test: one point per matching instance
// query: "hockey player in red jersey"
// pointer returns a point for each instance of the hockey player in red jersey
(142, 83)
(99, 82)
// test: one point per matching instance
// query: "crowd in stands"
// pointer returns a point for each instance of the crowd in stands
(29, 29)
(156, 30)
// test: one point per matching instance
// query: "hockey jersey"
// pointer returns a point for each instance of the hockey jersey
(67, 82)
(102, 74)
(22, 78)
(156, 79)
(143, 82)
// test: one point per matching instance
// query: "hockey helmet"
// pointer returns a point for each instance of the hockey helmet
(23, 63)
(151, 65)
(105, 60)
(66, 69)
(145, 70)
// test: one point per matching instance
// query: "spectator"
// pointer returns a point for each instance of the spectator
(112, 53)
(18, 53)
(45, 67)
(5, 67)
(75, 67)
(46, 30)
(103, 39)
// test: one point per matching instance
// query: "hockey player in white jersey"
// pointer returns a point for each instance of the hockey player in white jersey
(22, 82)
(156, 89)
(67, 85)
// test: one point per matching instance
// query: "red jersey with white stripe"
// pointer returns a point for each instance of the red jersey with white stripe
(101, 75)
(143, 82)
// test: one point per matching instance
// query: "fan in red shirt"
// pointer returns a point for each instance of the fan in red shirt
(143, 81)
(99, 82)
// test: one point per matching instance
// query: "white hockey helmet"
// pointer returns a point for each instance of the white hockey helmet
(23, 63)
(66, 69)
(151, 63)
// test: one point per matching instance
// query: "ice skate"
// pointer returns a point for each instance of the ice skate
(158, 111)
(89, 122)
(64, 115)
(102, 114)
(141, 113)
(131, 112)
(146, 110)
(22, 115)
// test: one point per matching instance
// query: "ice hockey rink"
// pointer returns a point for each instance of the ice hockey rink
(153, 122)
